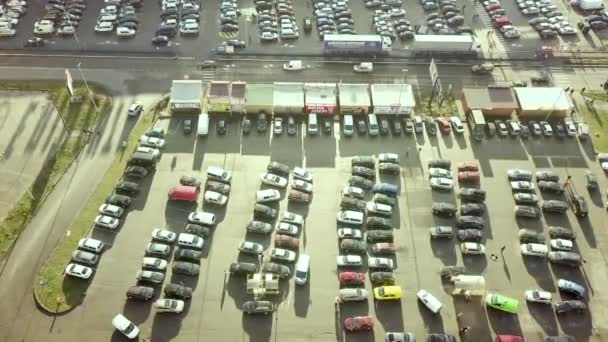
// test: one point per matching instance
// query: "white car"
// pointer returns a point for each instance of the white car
(287, 228)
(457, 124)
(202, 217)
(91, 245)
(215, 198)
(7, 32)
(378, 208)
(104, 27)
(570, 128)
(519, 174)
(267, 195)
(163, 235)
(380, 263)
(388, 158)
(538, 296)
(301, 185)
(562, 245)
(349, 260)
(349, 233)
(522, 186)
(154, 263)
(189, 28)
(106, 221)
(135, 108)
(350, 217)
(441, 183)
(281, 254)
(353, 191)
(440, 173)
(169, 305)
(125, 32)
(78, 271)
(150, 150)
(122, 324)
(152, 142)
(472, 248)
(111, 210)
(274, 180)
(190, 241)
(534, 249)
(292, 218)
(249, 247)
(269, 36)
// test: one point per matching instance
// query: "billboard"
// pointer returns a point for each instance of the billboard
(320, 108)
(69, 82)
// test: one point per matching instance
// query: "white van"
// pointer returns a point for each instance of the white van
(219, 174)
(267, 195)
(373, 124)
(302, 268)
(429, 301)
(349, 127)
(203, 125)
(313, 126)
(190, 241)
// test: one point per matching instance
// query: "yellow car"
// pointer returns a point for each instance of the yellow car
(387, 292)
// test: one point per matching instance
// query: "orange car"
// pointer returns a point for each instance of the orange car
(281, 240)
(468, 176)
(467, 166)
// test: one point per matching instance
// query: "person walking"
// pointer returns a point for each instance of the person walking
(502, 249)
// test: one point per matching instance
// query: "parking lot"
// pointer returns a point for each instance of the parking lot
(198, 46)
(307, 313)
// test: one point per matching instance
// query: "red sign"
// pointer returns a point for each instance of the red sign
(320, 108)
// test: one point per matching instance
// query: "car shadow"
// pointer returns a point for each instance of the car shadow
(473, 314)
(166, 326)
(389, 314)
(320, 151)
(475, 264)
(445, 250)
(259, 327)
(588, 232)
(503, 323)
(538, 268)
(256, 143)
(139, 311)
(301, 297)
(544, 316)
(433, 323)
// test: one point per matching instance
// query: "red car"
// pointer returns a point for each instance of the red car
(501, 21)
(468, 176)
(290, 242)
(467, 166)
(359, 323)
(493, 7)
(351, 278)
(444, 125)
(509, 338)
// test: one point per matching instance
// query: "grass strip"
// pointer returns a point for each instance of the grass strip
(76, 116)
(53, 291)
(598, 124)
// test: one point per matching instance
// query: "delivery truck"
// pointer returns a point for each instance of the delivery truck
(345, 44)
(437, 45)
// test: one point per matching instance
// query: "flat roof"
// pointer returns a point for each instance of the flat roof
(320, 93)
(288, 94)
(400, 94)
(259, 94)
(490, 98)
(219, 89)
(186, 91)
(352, 37)
(354, 94)
(238, 89)
(543, 98)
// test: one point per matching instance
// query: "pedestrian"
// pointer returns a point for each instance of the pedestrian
(98, 133)
(463, 330)
(583, 90)
(494, 257)
(502, 249)
(567, 89)
(571, 92)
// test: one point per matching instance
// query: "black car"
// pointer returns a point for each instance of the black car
(246, 126)
(34, 42)
(379, 236)
(382, 278)
(363, 172)
(397, 127)
(552, 187)
(384, 127)
(185, 268)
(188, 255)
(257, 307)
(565, 258)
(444, 209)
(440, 163)
(368, 162)
(384, 199)
(560, 131)
(242, 268)
(178, 291)
(262, 123)
(440, 338)
(119, 200)
(570, 306)
(431, 126)
(375, 222)
(190, 181)
(592, 181)
(327, 127)
(469, 235)
(220, 126)
(136, 172)
(472, 209)
(128, 188)
(360, 182)
(350, 203)
(281, 270)
(229, 28)
(352, 246)
(531, 236)
(140, 292)
(218, 187)
(472, 195)
(264, 211)
(546, 175)
(470, 222)
(198, 230)
(361, 127)
(307, 24)
(561, 233)
(160, 40)
(278, 168)
(554, 206)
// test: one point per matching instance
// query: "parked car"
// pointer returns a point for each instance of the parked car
(561, 233)
(444, 209)
(178, 291)
(570, 306)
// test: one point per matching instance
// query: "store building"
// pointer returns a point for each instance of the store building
(321, 98)
(258, 98)
(237, 97)
(186, 96)
(218, 97)
(354, 98)
(288, 98)
(395, 99)
(543, 102)
(493, 101)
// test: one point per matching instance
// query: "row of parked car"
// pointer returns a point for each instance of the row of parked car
(447, 19)
(229, 16)
(181, 16)
(557, 128)
(549, 22)
(333, 17)
(500, 21)
(61, 17)
(117, 17)
(389, 21)
(10, 13)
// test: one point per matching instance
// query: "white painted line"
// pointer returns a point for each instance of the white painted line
(83, 56)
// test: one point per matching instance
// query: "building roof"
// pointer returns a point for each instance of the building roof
(288, 94)
(543, 98)
(238, 89)
(219, 89)
(259, 94)
(186, 91)
(320, 93)
(398, 94)
(490, 98)
(355, 95)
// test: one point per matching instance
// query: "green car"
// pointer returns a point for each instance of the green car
(502, 303)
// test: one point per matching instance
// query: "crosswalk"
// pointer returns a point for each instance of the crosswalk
(229, 35)
(496, 37)
(205, 75)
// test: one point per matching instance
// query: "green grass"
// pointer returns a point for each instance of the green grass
(53, 291)
(598, 123)
(597, 95)
(77, 116)
(447, 108)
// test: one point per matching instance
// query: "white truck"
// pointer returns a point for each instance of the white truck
(293, 66)
(364, 67)
(430, 45)
(588, 5)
